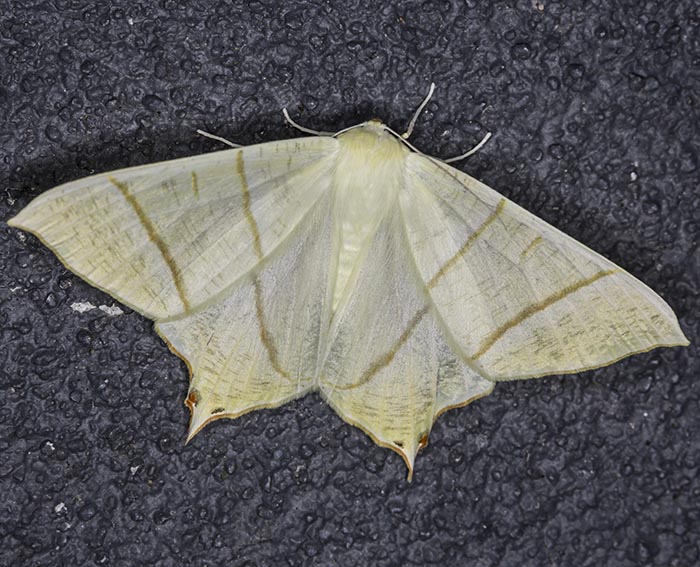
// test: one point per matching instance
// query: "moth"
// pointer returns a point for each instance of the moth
(350, 264)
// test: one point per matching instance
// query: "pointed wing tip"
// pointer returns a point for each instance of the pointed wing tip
(409, 458)
(682, 339)
(196, 425)
(676, 336)
(23, 218)
(24, 221)
(191, 429)
(198, 419)
(16, 221)
(677, 339)
(190, 435)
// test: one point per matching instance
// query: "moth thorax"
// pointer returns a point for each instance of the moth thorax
(366, 183)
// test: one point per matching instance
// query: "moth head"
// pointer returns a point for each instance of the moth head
(372, 143)
(375, 126)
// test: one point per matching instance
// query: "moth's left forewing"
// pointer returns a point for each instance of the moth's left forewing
(164, 238)
(519, 297)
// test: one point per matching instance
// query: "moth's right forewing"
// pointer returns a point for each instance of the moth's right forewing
(520, 298)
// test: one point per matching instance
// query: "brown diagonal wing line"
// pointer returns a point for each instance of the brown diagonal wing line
(531, 310)
(452, 262)
(491, 339)
(195, 184)
(265, 335)
(156, 239)
(530, 247)
(385, 360)
(528, 311)
(240, 168)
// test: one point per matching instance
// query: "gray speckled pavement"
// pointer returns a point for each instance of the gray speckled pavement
(595, 107)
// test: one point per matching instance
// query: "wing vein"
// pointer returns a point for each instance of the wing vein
(384, 360)
(439, 319)
(156, 239)
(534, 308)
(265, 335)
(240, 168)
(449, 264)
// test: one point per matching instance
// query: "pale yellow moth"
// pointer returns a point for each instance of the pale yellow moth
(350, 264)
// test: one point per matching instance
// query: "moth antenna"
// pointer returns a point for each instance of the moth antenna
(302, 128)
(218, 139)
(470, 152)
(412, 123)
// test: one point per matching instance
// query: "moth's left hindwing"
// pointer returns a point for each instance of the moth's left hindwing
(259, 344)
